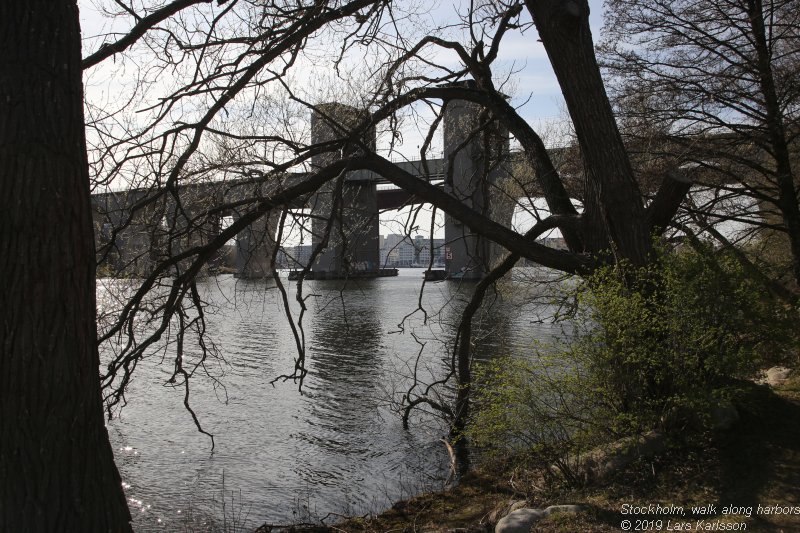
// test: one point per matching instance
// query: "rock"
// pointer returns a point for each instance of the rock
(568, 509)
(775, 376)
(724, 416)
(601, 463)
(522, 520)
(504, 508)
(519, 504)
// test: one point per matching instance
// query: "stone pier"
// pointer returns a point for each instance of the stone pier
(478, 149)
(352, 247)
(255, 247)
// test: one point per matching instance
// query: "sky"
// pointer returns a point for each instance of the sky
(534, 89)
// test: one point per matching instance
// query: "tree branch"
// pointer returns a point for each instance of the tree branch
(142, 26)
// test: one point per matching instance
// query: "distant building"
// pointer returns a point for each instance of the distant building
(557, 243)
(294, 257)
(395, 251)
(402, 251)
(553, 242)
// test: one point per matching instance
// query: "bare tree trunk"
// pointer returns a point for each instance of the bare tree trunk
(57, 469)
(614, 213)
(777, 135)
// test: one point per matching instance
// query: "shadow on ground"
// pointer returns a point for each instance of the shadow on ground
(755, 463)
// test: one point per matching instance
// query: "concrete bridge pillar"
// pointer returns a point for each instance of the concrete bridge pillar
(103, 227)
(476, 176)
(352, 248)
(255, 247)
(124, 239)
(189, 226)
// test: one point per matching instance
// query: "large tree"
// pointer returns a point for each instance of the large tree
(714, 84)
(57, 470)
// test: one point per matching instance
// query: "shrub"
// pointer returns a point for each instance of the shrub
(668, 338)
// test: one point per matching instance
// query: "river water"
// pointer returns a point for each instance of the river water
(338, 446)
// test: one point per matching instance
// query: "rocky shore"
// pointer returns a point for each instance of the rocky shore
(753, 460)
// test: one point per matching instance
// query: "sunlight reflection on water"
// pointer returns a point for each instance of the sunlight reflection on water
(282, 456)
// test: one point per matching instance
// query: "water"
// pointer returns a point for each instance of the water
(283, 456)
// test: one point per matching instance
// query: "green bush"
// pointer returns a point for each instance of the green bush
(645, 343)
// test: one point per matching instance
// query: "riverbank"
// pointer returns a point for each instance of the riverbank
(754, 463)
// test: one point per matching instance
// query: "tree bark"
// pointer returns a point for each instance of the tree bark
(614, 213)
(790, 209)
(57, 469)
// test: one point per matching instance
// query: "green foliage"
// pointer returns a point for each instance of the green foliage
(646, 344)
(677, 331)
(535, 412)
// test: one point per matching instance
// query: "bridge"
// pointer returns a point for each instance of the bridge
(137, 228)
